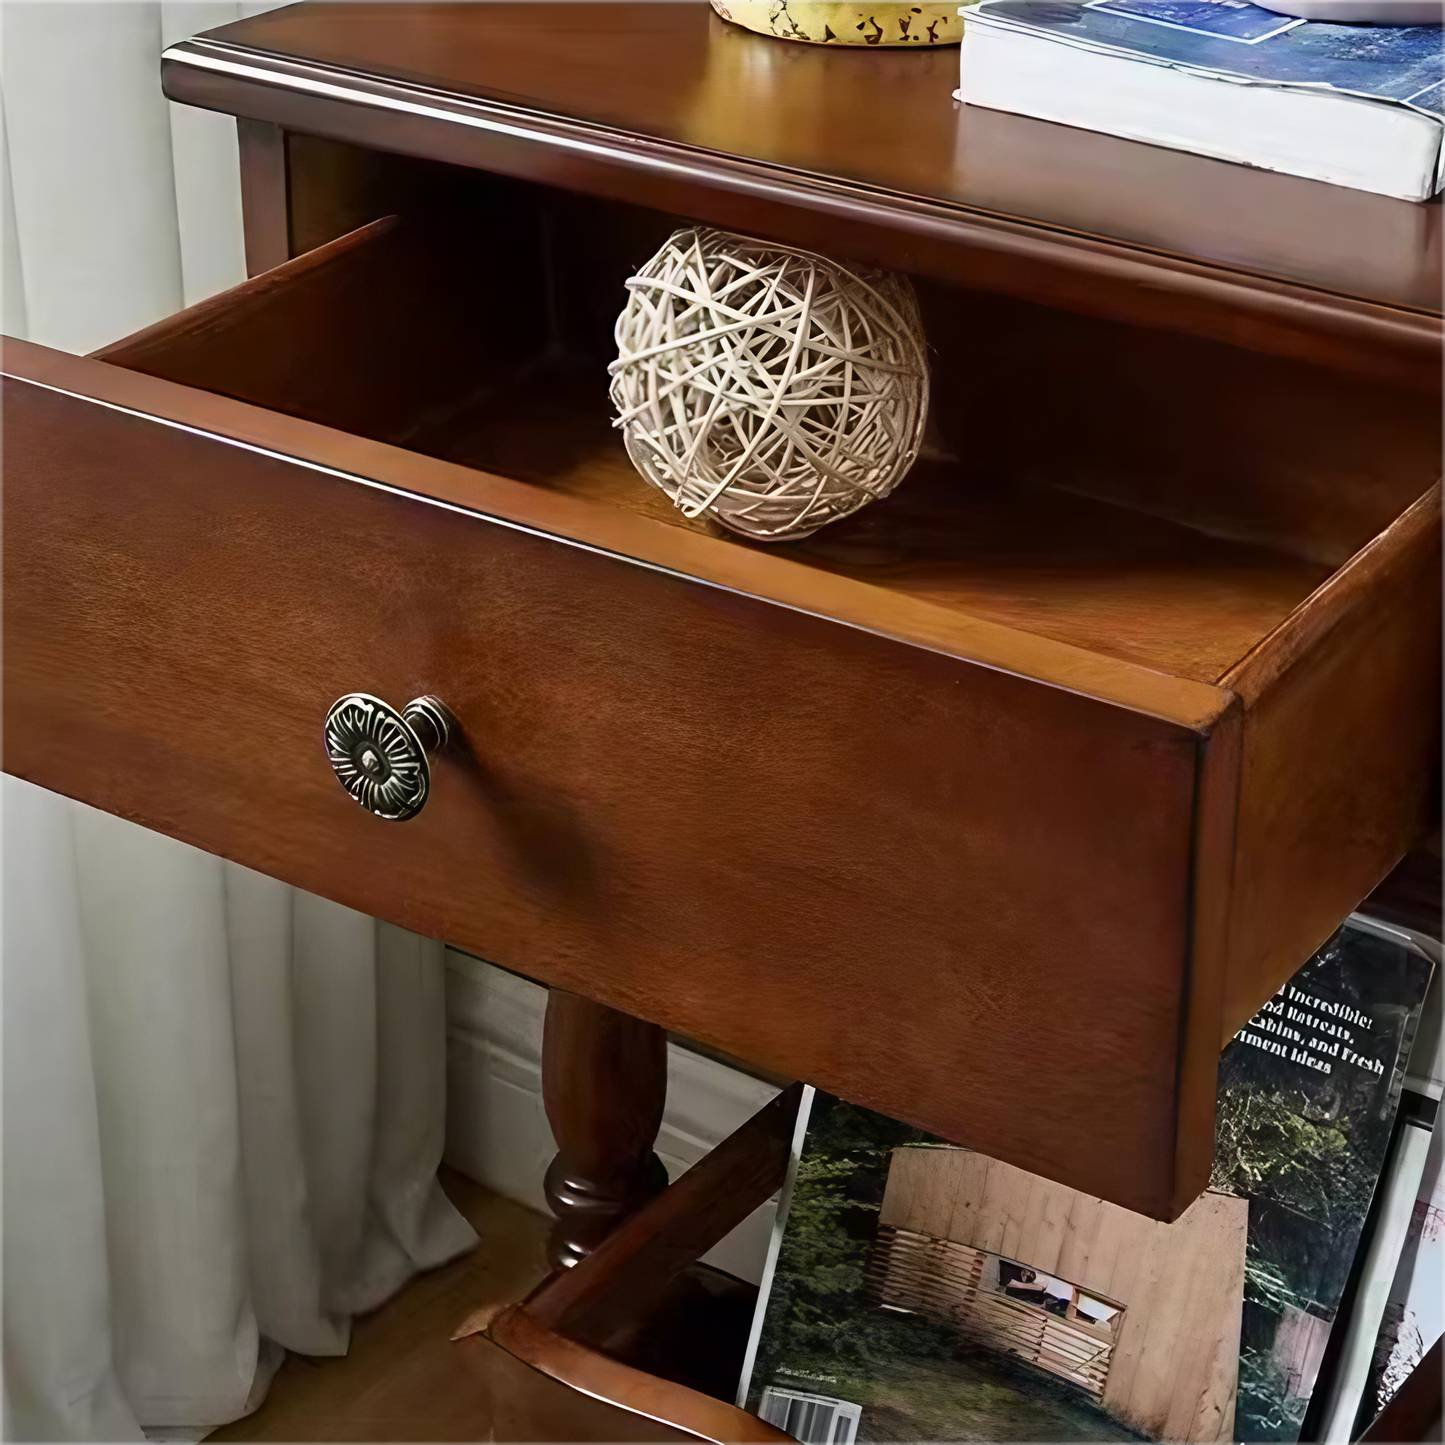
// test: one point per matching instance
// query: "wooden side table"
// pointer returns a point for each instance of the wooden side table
(997, 807)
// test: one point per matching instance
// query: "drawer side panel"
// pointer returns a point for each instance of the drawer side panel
(1341, 754)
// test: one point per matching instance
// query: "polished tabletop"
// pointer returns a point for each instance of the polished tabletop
(883, 118)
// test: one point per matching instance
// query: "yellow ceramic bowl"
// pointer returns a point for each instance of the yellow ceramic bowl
(825, 22)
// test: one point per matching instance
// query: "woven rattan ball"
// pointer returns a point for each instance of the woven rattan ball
(767, 386)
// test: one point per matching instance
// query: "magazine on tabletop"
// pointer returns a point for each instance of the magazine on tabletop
(917, 1290)
(1355, 105)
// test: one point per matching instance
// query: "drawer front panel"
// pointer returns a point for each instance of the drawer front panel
(940, 890)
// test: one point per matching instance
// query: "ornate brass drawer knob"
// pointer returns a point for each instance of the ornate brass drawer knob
(381, 756)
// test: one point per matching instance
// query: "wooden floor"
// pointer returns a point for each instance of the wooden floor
(403, 1379)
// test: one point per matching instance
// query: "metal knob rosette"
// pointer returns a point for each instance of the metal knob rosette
(382, 756)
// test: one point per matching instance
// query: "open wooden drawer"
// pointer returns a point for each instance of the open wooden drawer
(997, 807)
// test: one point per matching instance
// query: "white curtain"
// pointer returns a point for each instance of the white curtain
(120, 207)
(223, 1098)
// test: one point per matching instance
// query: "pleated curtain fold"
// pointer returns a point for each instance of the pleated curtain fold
(224, 1099)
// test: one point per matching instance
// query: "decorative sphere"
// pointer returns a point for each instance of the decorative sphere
(771, 388)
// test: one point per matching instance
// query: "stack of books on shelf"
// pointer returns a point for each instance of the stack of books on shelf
(917, 1290)
(1356, 105)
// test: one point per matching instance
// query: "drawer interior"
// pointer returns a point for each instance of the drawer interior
(1145, 495)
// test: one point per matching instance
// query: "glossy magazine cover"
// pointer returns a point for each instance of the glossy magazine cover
(1402, 65)
(917, 1290)
(1414, 1316)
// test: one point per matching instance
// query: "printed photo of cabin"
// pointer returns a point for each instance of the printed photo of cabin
(1143, 1317)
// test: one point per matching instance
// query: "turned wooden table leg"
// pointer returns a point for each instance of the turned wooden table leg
(604, 1081)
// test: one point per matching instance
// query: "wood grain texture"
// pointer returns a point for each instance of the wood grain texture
(265, 194)
(634, 814)
(1298, 460)
(658, 1409)
(1341, 715)
(282, 337)
(375, 333)
(604, 1084)
(627, 1274)
(360, 336)
(1041, 781)
(1314, 473)
(583, 1325)
(668, 106)
(1212, 881)
(1411, 894)
(1098, 573)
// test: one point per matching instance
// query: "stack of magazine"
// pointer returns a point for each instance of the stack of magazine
(915, 1290)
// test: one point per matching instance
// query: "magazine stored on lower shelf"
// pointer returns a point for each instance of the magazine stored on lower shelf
(917, 1290)
(1353, 105)
(1415, 1314)
(1413, 1317)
